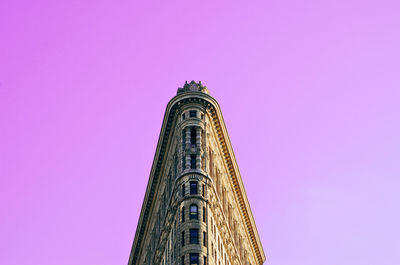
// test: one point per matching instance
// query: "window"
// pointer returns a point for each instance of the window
(202, 116)
(205, 260)
(183, 190)
(204, 239)
(192, 114)
(204, 214)
(183, 163)
(193, 212)
(183, 214)
(183, 238)
(183, 260)
(193, 137)
(193, 161)
(194, 259)
(183, 116)
(193, 187)
(203, 190)
(194, 236)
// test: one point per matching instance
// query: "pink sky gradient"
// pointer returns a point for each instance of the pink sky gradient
(310, 92)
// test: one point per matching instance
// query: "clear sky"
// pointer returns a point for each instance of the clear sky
(310, 92)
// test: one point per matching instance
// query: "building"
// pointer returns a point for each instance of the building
(195, 209)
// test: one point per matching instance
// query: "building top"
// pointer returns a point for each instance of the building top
(192, 86)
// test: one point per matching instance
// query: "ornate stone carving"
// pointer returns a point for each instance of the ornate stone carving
(192, 86)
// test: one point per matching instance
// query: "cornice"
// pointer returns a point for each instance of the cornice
(219, 125)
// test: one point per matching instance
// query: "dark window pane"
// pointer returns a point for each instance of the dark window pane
(193, 161)
(183, 214)
(194, 236)
(183, 190)
(193, 137)
(183, 238)
(193, 187)
(192, 113)
(194, 258)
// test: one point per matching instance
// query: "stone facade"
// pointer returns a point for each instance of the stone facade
(195, 209)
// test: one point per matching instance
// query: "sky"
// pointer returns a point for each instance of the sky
(310, 94)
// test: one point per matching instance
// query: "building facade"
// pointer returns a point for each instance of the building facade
(195, 209)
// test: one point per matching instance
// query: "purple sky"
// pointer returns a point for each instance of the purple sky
(310, 92)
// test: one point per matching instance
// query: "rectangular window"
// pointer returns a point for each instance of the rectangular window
(193, 187)
(203, 190)
(183, 116)
(194, 236)
(194, 259)
(193, 161)
(183, 214)
(194, 213)
(183, 260)
(204, 239)
(193, 137)
(183, 190)
(193, 114)
(204, 214)
(205, 260)
(183, 238)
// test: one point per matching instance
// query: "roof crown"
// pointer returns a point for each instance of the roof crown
(192, 86)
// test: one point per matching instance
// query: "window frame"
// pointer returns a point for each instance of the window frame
(194, 236)
(194, 188)
(192, 113)
(194, 215)
(194, 259)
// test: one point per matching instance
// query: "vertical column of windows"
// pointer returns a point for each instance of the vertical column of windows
(187, 130)
(183, 150)
(198, 143)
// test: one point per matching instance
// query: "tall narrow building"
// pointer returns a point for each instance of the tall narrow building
(195, 209)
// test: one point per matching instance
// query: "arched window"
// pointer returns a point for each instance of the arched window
(194, 213)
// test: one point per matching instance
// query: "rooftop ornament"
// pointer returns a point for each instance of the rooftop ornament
(192, 86)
